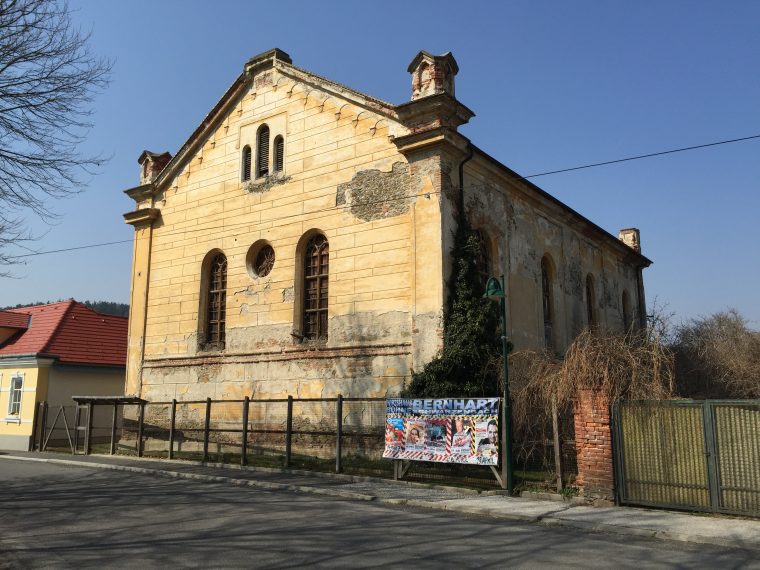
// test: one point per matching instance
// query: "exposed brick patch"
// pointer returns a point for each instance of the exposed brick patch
(261, 185)
(373, 194)
(263, 80)
(593, 444)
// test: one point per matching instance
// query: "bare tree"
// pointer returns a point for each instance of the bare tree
(48, 78)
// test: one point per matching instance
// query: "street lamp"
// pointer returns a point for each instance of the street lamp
(495, 290)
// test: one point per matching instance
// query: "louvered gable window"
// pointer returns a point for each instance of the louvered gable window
(279, 153)
(246, 171)
(262, 152)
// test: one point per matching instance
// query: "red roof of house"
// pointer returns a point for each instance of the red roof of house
(13, 320)
(72, 332)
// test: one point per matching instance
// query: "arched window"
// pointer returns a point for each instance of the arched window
(279, 154)
(626, 311)
(246, 170)
(590, 313)
(483, 258)
(546, 298)
(216, 302)
(262, 151)
(315, 287)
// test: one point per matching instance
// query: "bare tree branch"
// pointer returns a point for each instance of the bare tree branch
(48, 80)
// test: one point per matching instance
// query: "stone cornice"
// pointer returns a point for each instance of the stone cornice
(441, 109)
(295, 353)
(140, 193)
(437, 137)
(559, 209)
(143, 217)
(27, 360)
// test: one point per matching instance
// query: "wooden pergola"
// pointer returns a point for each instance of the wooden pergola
(90, 401)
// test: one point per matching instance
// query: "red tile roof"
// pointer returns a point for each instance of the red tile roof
(71, 331)
(14, 320)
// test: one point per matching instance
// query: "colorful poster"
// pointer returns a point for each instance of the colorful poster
(415, 437)
(462, 434)
(457, 430)
(487, 436)
(394, 434)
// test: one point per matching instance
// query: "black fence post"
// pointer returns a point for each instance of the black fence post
(44, 425)
(206, 428)
(88, 431)
(339, 434)
(114, 419)
(77, 417)
(35, 421)
(557, 447)
(244, 441)
(172, 425)
(140, 424)
(289, 432)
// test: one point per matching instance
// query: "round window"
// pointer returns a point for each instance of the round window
(260, 259)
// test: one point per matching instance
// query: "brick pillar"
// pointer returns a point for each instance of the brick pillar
(593, 444)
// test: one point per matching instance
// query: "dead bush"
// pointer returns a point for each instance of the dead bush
(636, 366)
(718, 357)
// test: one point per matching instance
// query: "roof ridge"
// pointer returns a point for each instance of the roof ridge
(27, 307)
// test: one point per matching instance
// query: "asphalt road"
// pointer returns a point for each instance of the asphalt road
(54, 516)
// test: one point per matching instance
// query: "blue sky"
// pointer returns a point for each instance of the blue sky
(553, 85)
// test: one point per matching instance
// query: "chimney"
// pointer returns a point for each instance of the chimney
(631, 237)
(151, 164)
(432, 74)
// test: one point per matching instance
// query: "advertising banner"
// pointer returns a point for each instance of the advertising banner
(454, 430)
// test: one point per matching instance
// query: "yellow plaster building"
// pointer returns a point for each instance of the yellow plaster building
(299, 242)
(51, 353)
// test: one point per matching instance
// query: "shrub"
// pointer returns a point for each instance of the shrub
(718, 357)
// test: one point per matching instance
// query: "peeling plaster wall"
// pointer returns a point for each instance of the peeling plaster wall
(521, 228)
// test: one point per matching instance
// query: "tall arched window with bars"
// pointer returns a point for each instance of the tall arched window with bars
(590, 312)
(279, 154)
(316, 287)
(246, 164)
(262, 151)
(546, 301)
(216, 305)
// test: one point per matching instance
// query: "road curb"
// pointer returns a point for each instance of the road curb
(319, 474)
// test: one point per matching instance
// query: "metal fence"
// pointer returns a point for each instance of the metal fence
(340, 434)
(695, 455)
(544, 452)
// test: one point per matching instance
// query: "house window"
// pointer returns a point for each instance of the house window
(590, 316)
(14, 399)
(216, 302)
(546, 301)
(316, 269)
(626, 311)
(262, 151)
(246, 173)
(279, 153)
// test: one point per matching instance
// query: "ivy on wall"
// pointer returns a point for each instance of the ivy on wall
(470, 362)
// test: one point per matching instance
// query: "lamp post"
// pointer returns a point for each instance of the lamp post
(495, 290)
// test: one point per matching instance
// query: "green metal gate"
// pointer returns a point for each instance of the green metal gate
(689, 454)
